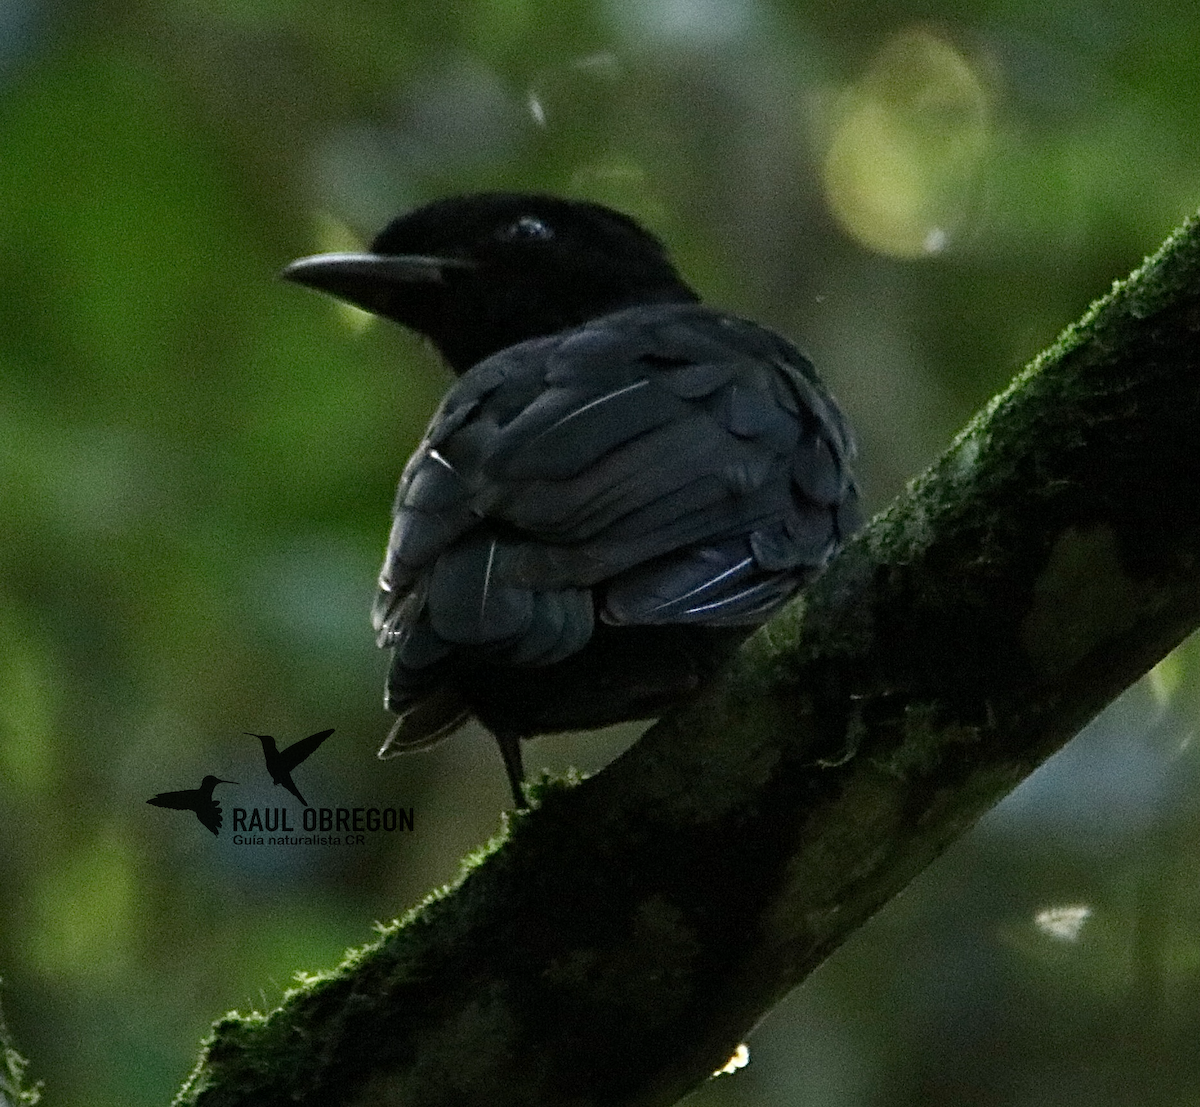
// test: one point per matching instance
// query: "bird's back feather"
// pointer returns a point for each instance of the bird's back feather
(665, 465)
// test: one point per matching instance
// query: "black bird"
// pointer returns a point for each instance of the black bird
(280, 763)
(200, 800)
(622, 484)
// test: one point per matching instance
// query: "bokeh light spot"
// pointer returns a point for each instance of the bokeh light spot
(1063, 923)
(902, 168)
(739, 1060)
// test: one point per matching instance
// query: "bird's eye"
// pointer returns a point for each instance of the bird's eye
(528, 228)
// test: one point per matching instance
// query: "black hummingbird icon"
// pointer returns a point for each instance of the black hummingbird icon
(200, 800)
(280, 763)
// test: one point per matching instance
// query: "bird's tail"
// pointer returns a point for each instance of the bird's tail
(426, 722)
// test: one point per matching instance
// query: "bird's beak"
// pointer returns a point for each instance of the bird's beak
(370, 281)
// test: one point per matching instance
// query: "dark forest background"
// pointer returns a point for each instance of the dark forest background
(197, 462)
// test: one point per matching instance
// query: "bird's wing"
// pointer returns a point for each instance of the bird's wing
(177, 801)
(300, 751)
(664, 464)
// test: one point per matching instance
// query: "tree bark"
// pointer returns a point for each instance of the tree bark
(624, 937)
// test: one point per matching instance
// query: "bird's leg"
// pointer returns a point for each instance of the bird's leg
(510, 750)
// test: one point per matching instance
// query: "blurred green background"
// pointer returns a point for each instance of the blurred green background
(196, 466)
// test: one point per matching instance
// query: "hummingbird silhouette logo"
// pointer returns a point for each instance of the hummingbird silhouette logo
(280, 763)
(200, 800)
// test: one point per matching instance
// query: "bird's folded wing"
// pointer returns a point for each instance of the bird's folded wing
(685, 465)
(300, 751)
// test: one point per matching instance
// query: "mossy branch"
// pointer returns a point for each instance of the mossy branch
(15, 1090)
(623, 938)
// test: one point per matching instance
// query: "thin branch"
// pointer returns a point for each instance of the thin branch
(625, 936)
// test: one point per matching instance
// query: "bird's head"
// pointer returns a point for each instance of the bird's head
(481, 272)
(210, 782)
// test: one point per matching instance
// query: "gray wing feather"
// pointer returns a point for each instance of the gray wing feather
(666, 464)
